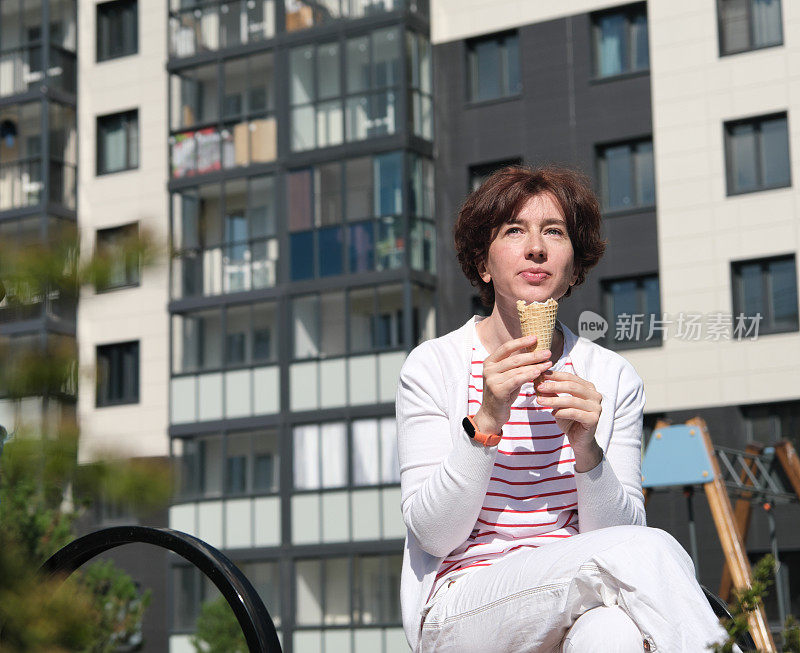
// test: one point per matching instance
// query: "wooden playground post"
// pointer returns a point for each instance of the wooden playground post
(731, 540)
(790, 463)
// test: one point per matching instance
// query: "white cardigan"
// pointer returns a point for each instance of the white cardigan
(444, 474)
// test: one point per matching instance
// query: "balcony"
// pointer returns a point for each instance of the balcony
(208, 27)
(21, 69)
(226, 269)
(22, 185)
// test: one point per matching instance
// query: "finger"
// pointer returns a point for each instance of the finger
(518, 360)
(568, 401)
(575, 388)
(560, 375)
(573, 415)
(515, 379)
(510, 347)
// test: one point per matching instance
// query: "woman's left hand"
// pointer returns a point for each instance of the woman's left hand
(577, 412)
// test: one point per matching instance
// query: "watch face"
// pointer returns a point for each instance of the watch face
(469, 427)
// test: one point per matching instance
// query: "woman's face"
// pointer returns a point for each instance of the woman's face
(531, 256)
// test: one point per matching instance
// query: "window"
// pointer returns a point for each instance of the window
(249, 337)
(117, 247)
(374, 452)
(769, 423)
(632, 307)
(302, 14)
(224, 237)
(748, 25)
(324, 589)
(620, 41)
(198, 27)
(320, 456)
(249, 464)
(222, 115)
(422, 235)
(372, 68)
(326, 109)
(767, 287)
(481, 172)
(626, 175)
(117, 29)
(493, 67)
(118, 374)
(118, 142)
(192, 588)
(757, 154)
(419, 54)
(346, 217)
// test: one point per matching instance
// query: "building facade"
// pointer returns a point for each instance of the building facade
(38, 159)
(301, 186)
(283, 154)
(681, 114)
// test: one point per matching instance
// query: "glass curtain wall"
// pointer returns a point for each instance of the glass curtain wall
(302, 233)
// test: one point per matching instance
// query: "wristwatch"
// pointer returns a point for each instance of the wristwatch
(486, 439)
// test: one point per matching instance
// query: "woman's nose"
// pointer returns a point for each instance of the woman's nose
(536, 249)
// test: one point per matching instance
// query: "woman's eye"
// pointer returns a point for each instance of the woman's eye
(512, 230)
(555, 230)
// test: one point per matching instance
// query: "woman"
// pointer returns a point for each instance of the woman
(525, 522)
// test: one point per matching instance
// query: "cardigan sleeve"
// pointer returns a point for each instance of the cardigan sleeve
(443, 479)
(611, 493)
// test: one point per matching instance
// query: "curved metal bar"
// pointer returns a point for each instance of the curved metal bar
(253, 617)
(720, 609)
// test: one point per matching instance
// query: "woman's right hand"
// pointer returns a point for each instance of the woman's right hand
(505, 371)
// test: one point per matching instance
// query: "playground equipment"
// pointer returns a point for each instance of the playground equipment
(683, 455)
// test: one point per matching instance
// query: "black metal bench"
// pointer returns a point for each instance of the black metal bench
(252, 615)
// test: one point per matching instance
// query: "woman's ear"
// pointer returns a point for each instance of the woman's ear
(574, 276)
(483, 272)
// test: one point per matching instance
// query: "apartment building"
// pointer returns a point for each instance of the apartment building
(283, 153)
(38, 158)
(681, 114)
(301, 217)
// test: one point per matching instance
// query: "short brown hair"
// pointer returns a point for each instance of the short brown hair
(502, 196)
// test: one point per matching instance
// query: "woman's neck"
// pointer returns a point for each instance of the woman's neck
(503, 325)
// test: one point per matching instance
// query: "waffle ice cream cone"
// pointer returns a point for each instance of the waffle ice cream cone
(538, 319)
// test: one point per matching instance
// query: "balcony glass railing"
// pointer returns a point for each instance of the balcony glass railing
(207, 27)
(227, 269)
(21, 184)
(21, 69)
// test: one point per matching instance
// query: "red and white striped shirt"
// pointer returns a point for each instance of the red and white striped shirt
(531, 499)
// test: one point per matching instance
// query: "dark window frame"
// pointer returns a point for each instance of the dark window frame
(130, 123)
(128, 234)
(109, 13)
(756, 122)
(373, 219)
(471, 67)
(482, 171)
(629, 12)
(767, 325)
(193, 248)
(251, 360)
(610, 340)
(750, 27)
(112, 361)
(355, 603)
(632, 143)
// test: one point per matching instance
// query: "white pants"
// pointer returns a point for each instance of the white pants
(527, 601)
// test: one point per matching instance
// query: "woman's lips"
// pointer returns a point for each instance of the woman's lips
(534, 277)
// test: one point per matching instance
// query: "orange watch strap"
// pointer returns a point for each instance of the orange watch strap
(486, 439)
